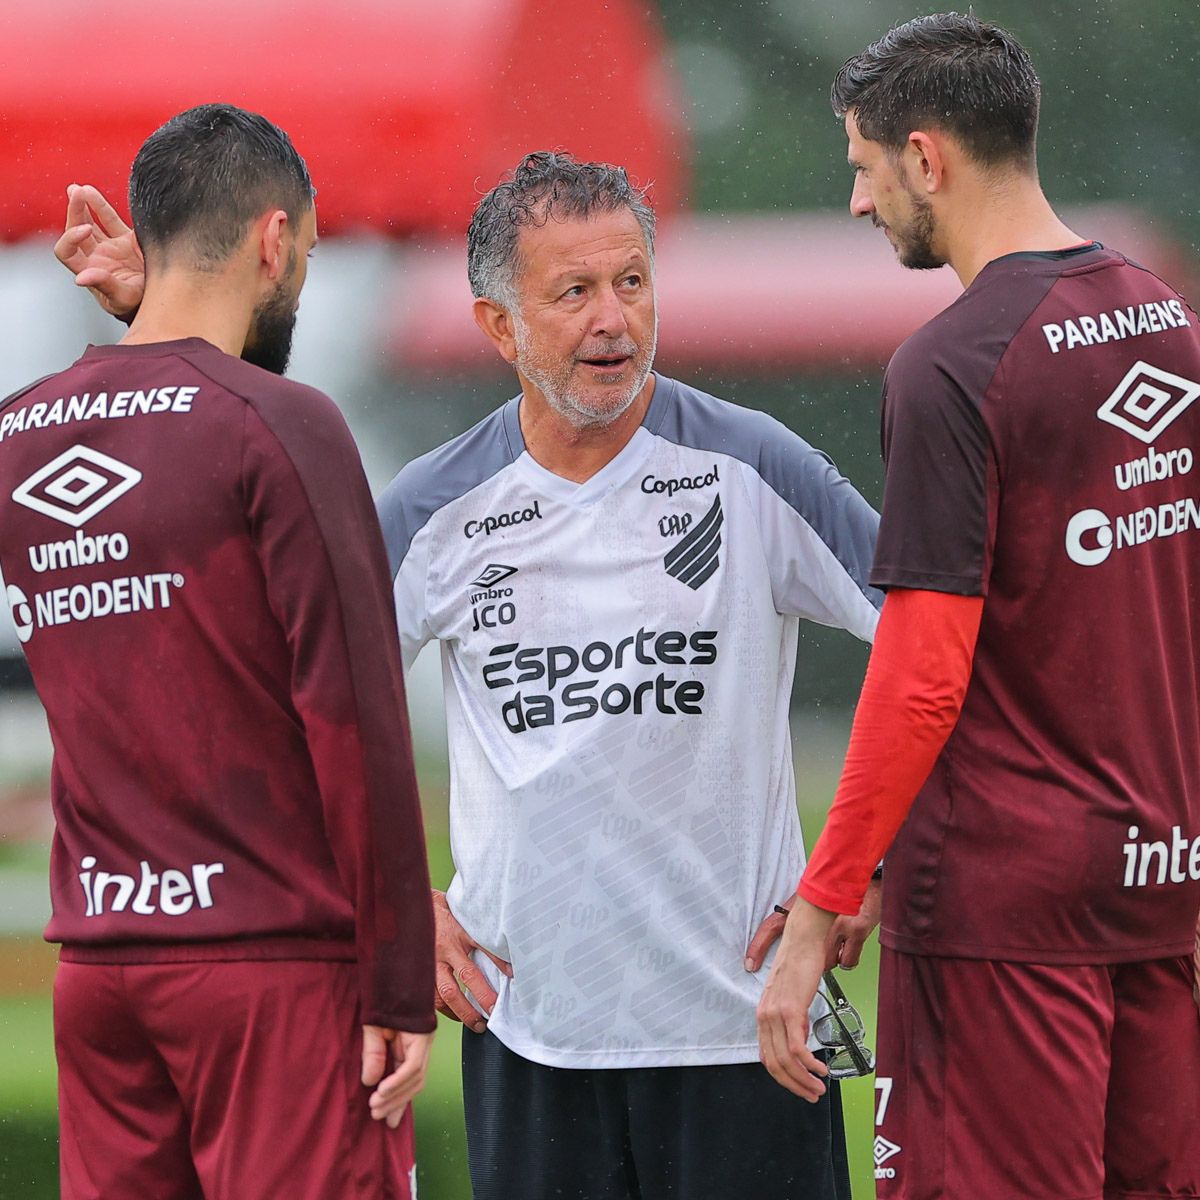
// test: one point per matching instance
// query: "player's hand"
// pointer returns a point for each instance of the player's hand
(455, 967)
(101, 251)
(849, 934)
(783, 1009)
(765, 936)
(410, 1056)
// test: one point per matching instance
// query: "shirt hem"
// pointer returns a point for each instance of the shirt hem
(232, 950)
(931, 581)
(709, 1056)
(1078, 956)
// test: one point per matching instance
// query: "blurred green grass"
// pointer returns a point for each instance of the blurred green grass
(28, 1128)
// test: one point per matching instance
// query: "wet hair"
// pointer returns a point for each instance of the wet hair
(208, 173)
(547, 185)
(951, 72)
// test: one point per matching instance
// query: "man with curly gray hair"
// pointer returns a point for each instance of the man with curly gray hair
(615, 565)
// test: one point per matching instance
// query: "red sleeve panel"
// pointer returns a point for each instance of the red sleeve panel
(916, 680)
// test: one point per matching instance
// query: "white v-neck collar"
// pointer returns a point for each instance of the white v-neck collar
(566, 491)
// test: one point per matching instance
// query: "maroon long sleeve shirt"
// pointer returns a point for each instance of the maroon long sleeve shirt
(195, 568)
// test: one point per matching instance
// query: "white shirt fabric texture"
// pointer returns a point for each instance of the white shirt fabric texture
(618, 659)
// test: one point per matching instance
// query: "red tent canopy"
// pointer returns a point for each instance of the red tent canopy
(406, 110)
(807, 291)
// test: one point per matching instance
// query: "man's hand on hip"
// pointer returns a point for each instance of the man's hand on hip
(455, 967)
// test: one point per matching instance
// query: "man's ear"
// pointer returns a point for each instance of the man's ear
(925, 161)
(272, 247)
(497, 324)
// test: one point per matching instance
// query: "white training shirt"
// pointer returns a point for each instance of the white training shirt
(618, 659)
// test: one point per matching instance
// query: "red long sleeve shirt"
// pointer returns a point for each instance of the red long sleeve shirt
(195, 568)
(916, 680)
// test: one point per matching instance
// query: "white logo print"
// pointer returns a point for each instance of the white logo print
(1092, 535)
(22, 614)
(77, 485)
(1147, 400)
(883, 1150)
(1090, 526)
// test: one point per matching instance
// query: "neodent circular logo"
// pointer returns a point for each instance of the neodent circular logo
(22, 614)
(1089, 537)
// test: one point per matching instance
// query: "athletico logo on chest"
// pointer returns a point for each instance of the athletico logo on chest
(693, 559)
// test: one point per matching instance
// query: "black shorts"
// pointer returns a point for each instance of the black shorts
(644, 1133)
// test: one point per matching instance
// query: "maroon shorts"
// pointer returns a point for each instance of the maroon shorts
(1012, 1081)
(219, 1081)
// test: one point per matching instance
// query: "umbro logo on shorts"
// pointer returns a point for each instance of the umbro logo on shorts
(693, 559)
(883, 1149)
(77, 485)
(1147, 400)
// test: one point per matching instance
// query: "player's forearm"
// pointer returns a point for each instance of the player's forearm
(912, 695)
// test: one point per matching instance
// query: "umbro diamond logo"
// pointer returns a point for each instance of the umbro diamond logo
(883, 1149)
(1147, 400)
(77, 485)
(693, 559)
(492, 574)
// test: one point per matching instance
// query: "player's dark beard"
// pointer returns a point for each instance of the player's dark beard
(914, 246)
(269, 342)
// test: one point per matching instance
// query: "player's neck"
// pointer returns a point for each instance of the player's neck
(1003, 221)
(571, 451)
(184, 304)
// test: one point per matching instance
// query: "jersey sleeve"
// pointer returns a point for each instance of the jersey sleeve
(412, 613)
(935, 532)
(314, 526)
(916, 681)
(818, 535)
(406, 538)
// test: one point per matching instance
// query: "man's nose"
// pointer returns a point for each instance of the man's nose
(608, 315)
(861, 204)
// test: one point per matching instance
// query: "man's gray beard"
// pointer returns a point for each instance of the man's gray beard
(555, 386)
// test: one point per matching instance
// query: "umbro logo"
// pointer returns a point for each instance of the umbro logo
(1147, 400)
(693, 559)
(883, 1149)
(491, 575)
(77, 485)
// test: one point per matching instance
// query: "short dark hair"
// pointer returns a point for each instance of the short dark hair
(545, 185)
(947, 71)
(207, 174)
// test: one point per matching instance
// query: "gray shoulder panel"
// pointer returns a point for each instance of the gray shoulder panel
(440, 477)
(801, 475)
